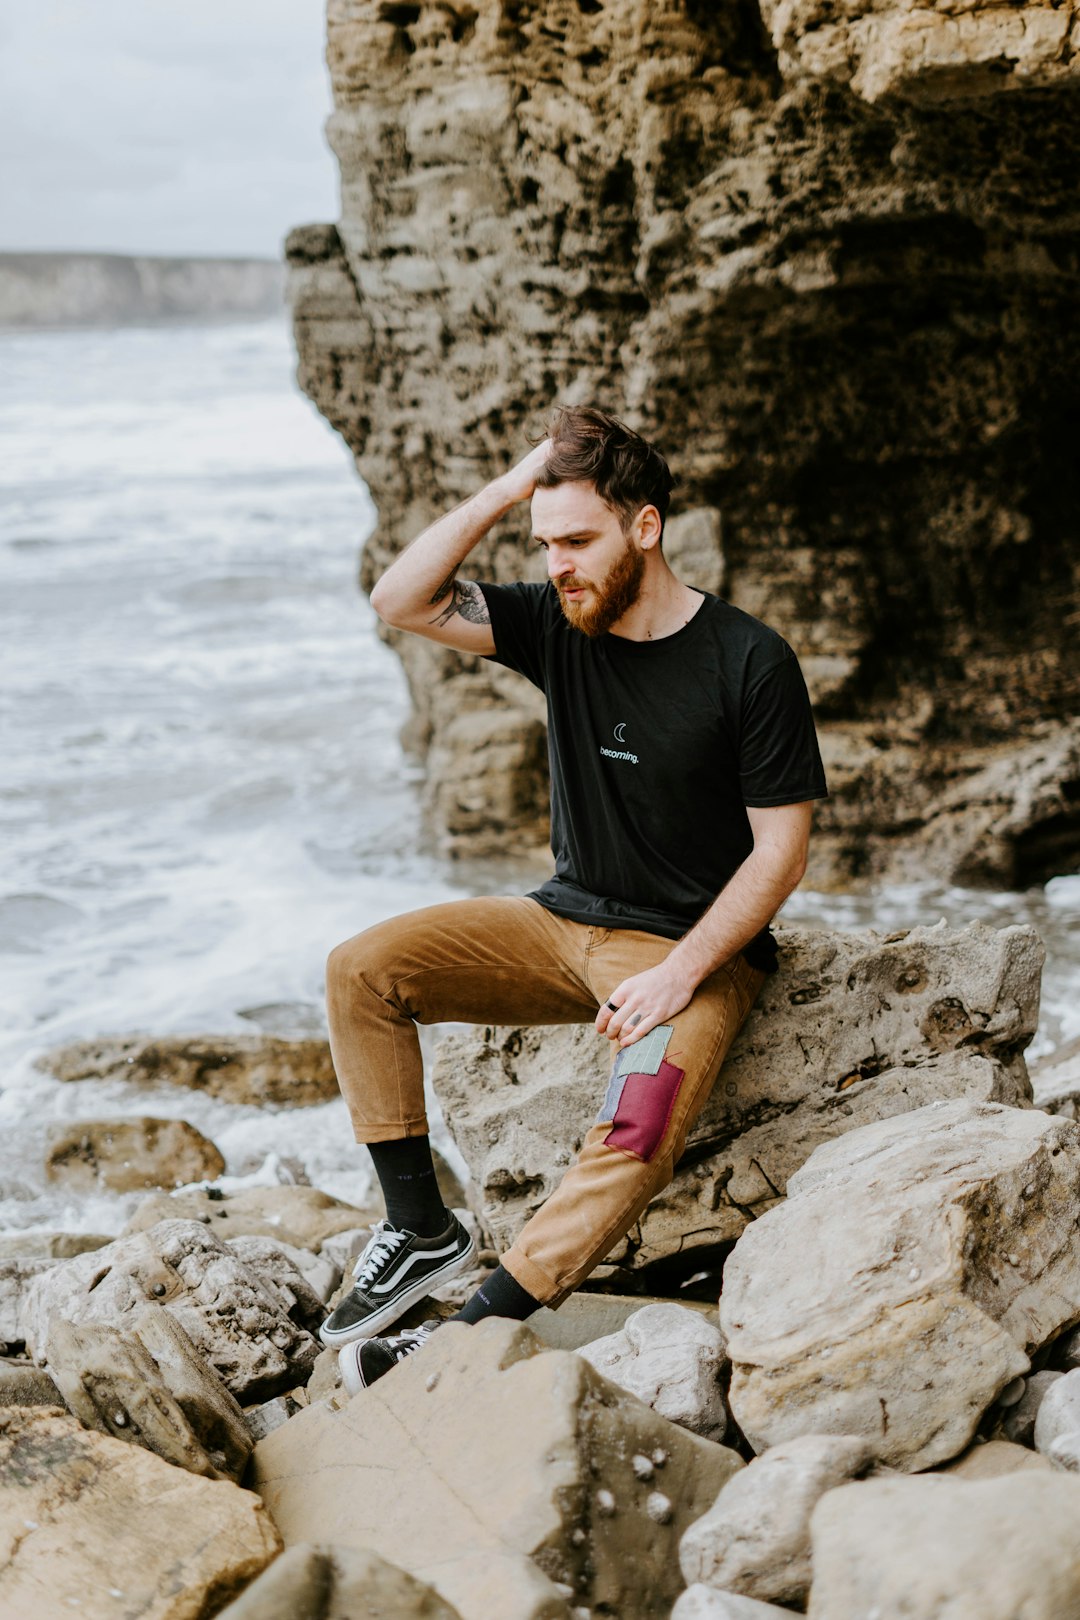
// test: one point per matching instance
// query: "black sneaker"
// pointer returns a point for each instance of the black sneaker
(362, 1363)
(395, 1270)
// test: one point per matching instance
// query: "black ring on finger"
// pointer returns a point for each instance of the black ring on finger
(611, 1005)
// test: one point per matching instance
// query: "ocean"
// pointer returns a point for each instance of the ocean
(201, 784)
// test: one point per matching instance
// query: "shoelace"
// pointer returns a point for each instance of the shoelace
(381, 1246)
(410, 1339)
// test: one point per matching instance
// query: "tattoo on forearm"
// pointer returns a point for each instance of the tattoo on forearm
(468, 600)
(444, 587)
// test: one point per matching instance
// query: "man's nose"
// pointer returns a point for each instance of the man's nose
(559, 563)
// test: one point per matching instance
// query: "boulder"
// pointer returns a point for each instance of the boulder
(920, 1549)
(1058, 1415)
(128, 1154)
(337, 1583)
(42, 1244)
(1018, 1423)
(755, 1539)
(284, 1260)
(149, 1386)
(24, 1385)
(584, 1317)
(992, 1460)
(501, 1473)
(92, 1527)
(251, 1069)
(251, 1326)
(705, 1603)
(302, 1216)
(914, 1268)
(1055, 1080)
(851, 1029)
(673, 1360)
(16, 1277)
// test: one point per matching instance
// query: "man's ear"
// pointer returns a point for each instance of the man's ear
(649, 528)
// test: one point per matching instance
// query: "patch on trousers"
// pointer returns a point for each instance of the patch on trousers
(644, 1110)
(644, 1057)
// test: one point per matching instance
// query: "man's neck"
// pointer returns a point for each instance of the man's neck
(663, 607)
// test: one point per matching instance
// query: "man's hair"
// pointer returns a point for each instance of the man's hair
(590, 446)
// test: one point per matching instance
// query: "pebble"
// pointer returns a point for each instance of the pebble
(658, 1507)
(605, 1502)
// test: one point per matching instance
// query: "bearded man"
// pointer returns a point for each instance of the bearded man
(684, 764)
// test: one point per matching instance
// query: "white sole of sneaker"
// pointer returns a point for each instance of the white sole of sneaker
(372, 1325)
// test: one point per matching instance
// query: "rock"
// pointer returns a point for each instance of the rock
(1058, 1412)
(259, 1421)
(106, 1530)
(705, 1603)
(913, 1269)
(302, 1216)
(1055, 1080)
(286, 1261)
(325, 1376)
(851, 1029)
(243, 1320)
(38, 1244)
(500, 1474)
(148, 1386)
(16, 1276)
(127, 1154)
(990, 1550)
(257, 1070)
(336, 1583)
(698, 217)
(24, 1385)
(993, 1460)
(342, 1248)
(584, 1317)
(672, 1359)
(755, 1539)
(1064, 1452)
(1018, 1424)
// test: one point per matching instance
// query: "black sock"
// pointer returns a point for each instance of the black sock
(407, 1177)
(499, 1296)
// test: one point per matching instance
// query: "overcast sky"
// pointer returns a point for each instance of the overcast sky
(155, 126)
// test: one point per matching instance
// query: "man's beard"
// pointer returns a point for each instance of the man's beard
(607, 602)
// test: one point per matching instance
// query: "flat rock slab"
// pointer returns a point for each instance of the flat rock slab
(502, 1474)
(852, 1028)
(128, 1154)
(250, 1325)
(922, 1549)
(92, 1527)
(252, 1069)
(302, 1216)
(914, 1267)
(337, 1583)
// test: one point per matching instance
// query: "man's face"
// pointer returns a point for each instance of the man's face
(595, 567)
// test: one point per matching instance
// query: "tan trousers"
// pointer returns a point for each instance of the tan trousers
(510, 961)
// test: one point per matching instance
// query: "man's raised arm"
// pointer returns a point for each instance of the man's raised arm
(421, 592)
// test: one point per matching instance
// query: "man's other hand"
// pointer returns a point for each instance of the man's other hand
(644, 1001)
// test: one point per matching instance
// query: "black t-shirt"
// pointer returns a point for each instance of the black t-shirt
(656, 748)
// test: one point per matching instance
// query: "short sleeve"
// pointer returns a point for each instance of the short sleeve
(518, 624)
(779, 759)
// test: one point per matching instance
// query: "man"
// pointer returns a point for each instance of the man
(683, 766)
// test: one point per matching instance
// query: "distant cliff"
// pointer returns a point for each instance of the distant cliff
(111, 289)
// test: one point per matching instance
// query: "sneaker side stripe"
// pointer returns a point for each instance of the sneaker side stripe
(411, 1260)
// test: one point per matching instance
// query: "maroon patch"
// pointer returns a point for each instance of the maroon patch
(644, 1110)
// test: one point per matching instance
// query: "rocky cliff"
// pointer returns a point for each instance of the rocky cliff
(114, 289)
(828, 257)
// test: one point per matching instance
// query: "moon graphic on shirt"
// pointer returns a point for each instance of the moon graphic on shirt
(619, 729)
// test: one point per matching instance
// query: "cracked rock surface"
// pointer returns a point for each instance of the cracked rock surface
(93, 1527)
(418, 1469)
(251, 1325)
(914, 1268)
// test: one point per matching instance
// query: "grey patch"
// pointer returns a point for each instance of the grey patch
(644, 1057)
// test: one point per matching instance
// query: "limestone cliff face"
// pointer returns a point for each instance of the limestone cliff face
(828, 257)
